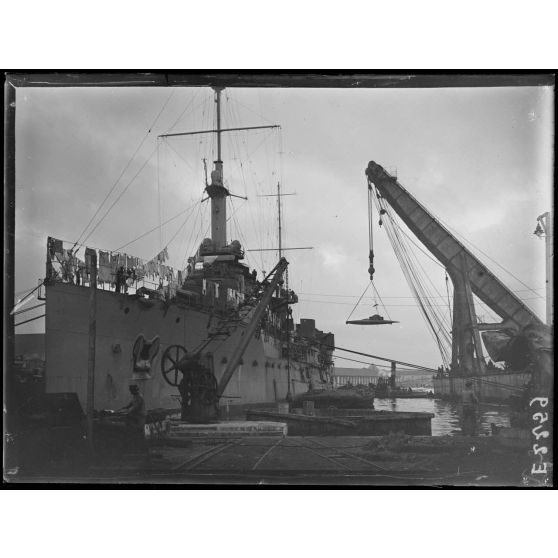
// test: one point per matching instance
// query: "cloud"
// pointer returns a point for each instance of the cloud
(456, 151)
(333, 258)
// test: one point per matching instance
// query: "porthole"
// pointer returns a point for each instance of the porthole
(177, 320)
(126, 310)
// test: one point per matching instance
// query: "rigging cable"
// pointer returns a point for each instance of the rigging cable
(380, 298)
(239, 231)
(155, 228)
(118, 198)
(30, 320)
(159, 199)
(358, 302)
(123, 171)
(425, 274)
(238, 152)
(21, 300)
(178, 230)
(449, 299)
(485, 254)
(194, 234)
(433, 320)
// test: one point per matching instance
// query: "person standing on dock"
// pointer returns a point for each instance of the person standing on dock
(135, 416)
(469, 412)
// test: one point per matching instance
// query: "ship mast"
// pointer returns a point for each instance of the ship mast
(216, 191)
(279, 216)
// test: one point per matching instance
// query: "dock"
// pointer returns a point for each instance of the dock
(324, 460)
(349, 422)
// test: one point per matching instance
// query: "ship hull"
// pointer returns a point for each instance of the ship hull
(262, 376)
(490, 387)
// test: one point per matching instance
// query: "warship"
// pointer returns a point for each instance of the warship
(196, 339)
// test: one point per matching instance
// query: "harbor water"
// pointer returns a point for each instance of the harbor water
(446, 419)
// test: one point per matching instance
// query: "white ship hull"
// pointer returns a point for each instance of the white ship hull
(262, 376)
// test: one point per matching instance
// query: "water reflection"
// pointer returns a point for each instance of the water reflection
(446, 414)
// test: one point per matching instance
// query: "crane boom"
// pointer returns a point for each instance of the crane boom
(449, 251)
(469, 276)
(252, 326)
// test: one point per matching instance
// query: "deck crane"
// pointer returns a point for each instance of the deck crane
(199, 389)
(469, 276)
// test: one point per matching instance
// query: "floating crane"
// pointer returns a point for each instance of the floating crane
(468, 275)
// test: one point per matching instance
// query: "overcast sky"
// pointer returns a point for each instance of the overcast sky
(480, 159)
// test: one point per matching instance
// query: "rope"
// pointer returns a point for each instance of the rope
(449, 300)
(28, 309)
(123, 172)
(434, 320)
(28, 294)
(155, 228)
(420, 367)
(381, 301)
(159, 200)
(118, 198)
(367, 287)
(485, 254)
(182, 113)
(177, 231)
(30, 320)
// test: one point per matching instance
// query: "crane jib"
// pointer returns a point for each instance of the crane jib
(449, 251)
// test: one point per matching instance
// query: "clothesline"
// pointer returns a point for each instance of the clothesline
(119, 269)
(77, 246)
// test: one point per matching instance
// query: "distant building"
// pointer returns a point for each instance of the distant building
(356, 376)
(30, 353)
(372, 371)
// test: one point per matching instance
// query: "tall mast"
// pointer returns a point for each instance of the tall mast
(216, 190)
(279, 216)
(218, 102)
(544, 228)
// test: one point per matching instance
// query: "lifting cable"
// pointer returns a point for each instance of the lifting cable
(380, 298)
(371, 269)
(449, 300)
(358, 302)
(370, 232)
(432, 317)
